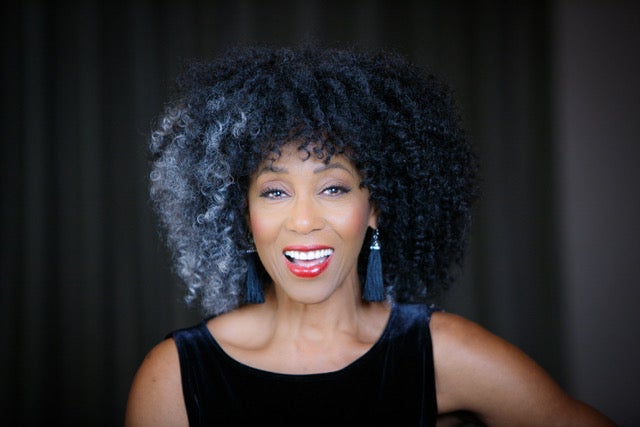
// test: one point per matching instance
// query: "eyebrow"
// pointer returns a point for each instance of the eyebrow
(332, 166)
(317, 170)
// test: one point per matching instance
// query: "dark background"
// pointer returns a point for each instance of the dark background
(550, 96)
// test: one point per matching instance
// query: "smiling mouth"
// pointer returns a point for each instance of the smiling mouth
(308, 263)
(308, 257)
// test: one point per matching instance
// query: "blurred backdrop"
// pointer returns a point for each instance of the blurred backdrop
(550, 97)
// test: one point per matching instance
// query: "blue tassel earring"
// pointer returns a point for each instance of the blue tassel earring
(373, 287)
(253, 287)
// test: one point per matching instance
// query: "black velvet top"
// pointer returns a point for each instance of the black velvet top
(392, 384)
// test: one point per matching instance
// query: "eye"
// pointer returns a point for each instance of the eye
(335, 190)
(273, 193)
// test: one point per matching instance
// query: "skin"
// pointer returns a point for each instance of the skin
(320, 324)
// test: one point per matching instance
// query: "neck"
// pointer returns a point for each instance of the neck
(339, 314)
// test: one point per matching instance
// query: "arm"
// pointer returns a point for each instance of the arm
(479, 373)
(155, 398)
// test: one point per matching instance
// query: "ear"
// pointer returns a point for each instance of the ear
(247, 221)
(373, 217)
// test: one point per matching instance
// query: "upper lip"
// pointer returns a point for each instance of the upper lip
(306, 248)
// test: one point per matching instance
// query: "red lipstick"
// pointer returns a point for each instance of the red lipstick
(307, 261)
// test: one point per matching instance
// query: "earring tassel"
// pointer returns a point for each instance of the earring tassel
(254, 293)
(373, 287)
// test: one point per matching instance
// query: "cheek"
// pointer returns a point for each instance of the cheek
(259, 231)
(354, 222)
(262, 226)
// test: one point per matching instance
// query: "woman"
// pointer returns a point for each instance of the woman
(315, 201)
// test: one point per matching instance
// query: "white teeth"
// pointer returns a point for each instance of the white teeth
(308, 255)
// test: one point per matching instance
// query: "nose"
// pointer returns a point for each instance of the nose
(305, 215)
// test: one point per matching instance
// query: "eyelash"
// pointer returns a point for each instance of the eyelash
(333, 190)
(337, 189)
(269, 193)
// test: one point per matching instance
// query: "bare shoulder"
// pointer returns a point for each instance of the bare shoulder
(478, 372)
(245, 327)
(155, 397)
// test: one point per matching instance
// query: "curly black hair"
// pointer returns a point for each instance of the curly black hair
(397, 122)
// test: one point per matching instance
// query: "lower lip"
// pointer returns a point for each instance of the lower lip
(308, 272)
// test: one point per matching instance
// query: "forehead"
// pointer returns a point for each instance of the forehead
(295, 154)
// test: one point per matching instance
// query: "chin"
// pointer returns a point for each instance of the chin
(309, 296)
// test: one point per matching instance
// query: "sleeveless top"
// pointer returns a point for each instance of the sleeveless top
(391, 384)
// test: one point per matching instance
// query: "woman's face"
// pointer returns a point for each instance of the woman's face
(308, 221)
